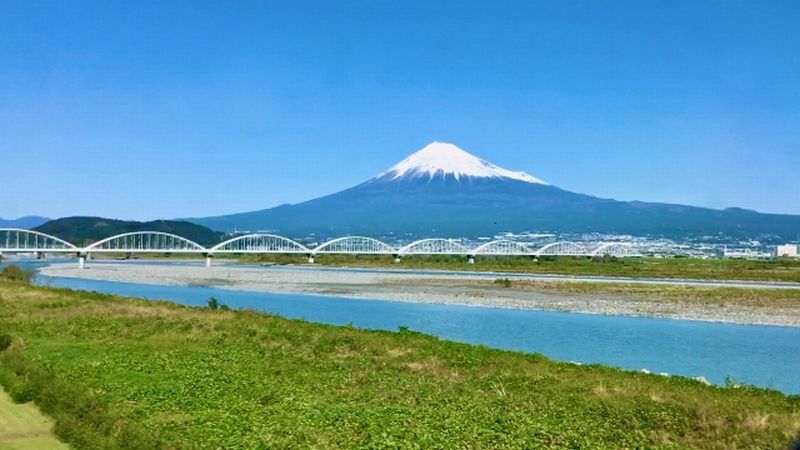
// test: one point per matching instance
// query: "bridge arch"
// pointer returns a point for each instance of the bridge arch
(564, 248)
(434, 246)
(502, 247)
(146, 241)
(356, 245)
(260, 243)
(18, 239)
(618, 249)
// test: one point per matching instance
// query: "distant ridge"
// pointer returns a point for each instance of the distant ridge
(442, 190)
(85, 230)
(23, 222)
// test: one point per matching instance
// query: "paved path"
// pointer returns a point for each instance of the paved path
(24, 427)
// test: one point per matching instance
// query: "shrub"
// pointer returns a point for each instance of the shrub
(505, 282)
(213, 303)
(16, 274)
(5, 342)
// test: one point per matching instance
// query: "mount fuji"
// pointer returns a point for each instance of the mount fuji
(442, 190)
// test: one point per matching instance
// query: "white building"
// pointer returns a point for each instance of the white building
(789, 250)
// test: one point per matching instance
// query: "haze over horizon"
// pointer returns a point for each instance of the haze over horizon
(143, 111)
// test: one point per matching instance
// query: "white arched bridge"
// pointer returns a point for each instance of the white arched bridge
(15, 240)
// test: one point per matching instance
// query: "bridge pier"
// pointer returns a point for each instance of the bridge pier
(311, 258)
(81, 261)
(398, 258)
(208, 259)
(471, 260)
(39, 255)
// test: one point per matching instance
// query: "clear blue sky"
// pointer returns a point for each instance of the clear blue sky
(152, 109)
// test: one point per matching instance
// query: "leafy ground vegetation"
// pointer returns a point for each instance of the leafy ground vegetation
(125, 373)
(782, 269)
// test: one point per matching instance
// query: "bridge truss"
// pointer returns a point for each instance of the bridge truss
(356, 245)
(145, 242)
(14, 240)
(435, 246)
(260, 243)
(503, 248)
(565, 248)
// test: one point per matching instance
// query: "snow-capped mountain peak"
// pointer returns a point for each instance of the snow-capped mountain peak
(447, 159)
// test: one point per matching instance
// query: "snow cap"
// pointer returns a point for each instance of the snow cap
(441, 157)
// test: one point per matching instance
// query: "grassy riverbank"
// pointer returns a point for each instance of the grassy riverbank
(123, 373)
(712, 269)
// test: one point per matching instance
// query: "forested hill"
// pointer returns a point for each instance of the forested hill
(85, 230)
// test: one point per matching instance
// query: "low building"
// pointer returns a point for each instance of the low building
(788, 250)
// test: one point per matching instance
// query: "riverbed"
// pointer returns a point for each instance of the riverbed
(466, 289)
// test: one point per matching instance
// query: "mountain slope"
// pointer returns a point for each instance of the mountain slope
(443, 191)
(84, 230)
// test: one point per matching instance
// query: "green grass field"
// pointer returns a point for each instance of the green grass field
(715, 269)
(124, 373)
(23, 427)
